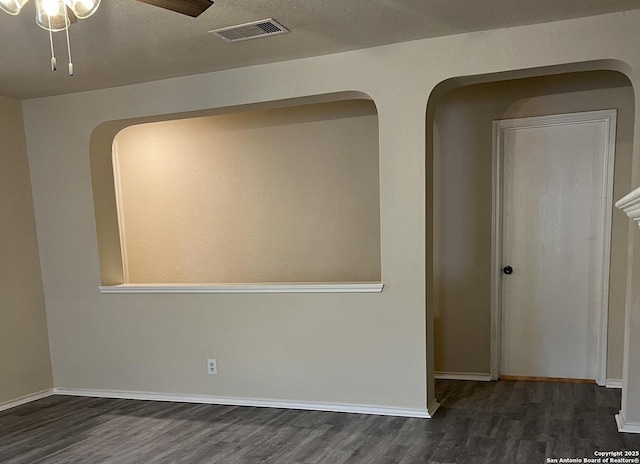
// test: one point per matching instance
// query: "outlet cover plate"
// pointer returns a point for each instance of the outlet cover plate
(212, 367)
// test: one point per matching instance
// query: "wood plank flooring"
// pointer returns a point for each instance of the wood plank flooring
(478, 422)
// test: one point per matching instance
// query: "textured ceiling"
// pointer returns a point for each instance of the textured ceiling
(128, 42)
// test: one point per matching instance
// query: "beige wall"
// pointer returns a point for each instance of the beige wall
(326, 348)
(284, 195)
(25, 366)
(463, 236)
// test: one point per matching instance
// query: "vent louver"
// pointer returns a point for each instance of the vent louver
(254, 30)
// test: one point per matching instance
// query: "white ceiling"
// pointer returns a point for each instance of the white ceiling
(128, 42)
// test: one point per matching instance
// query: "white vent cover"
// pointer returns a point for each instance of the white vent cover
(254, 30)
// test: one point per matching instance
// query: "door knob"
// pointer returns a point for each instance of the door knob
(507, 270)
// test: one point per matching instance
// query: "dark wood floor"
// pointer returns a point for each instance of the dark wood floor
(502, 422)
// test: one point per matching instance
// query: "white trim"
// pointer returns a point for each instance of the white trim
(624, 426)
(496, 254)
(609, 118)
(432, 408)
(462, 376)
(363, 287)
(613, 383)
(349, 408)
(630, 204)
(26, 399)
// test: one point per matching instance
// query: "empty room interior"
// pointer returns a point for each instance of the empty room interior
(391, 231)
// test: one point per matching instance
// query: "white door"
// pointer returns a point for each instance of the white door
(553, 192)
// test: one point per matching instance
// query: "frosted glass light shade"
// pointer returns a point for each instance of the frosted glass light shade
(12, 7)
(83, 8)
(51, 15)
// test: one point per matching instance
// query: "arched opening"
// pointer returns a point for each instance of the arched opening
(460, 212)
(243, 196)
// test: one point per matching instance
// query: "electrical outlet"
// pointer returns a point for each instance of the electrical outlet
(212, 367)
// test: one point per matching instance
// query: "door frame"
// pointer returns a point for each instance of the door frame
(608, 117)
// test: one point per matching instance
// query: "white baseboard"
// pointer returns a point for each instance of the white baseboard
(349, 408)
(613, 383)
(462, 376)
(624, 426)
(432, 408)
(25, 399)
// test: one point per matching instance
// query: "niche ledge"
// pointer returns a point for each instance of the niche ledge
(358, 287)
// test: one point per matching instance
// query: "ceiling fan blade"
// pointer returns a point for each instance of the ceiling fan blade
(191, 8)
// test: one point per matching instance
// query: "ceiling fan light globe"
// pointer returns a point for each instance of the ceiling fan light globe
(57, 20)
(12, 7)
(52, 7)
(83, 8)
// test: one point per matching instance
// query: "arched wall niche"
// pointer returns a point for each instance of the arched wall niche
(576, 77)
(330, 110)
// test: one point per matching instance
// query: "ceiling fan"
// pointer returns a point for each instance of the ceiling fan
(191, 8)
(58, 15)
(55, 16)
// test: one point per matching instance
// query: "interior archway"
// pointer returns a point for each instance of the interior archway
(459, 117)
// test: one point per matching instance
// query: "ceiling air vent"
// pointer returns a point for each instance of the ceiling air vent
(254, 30)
